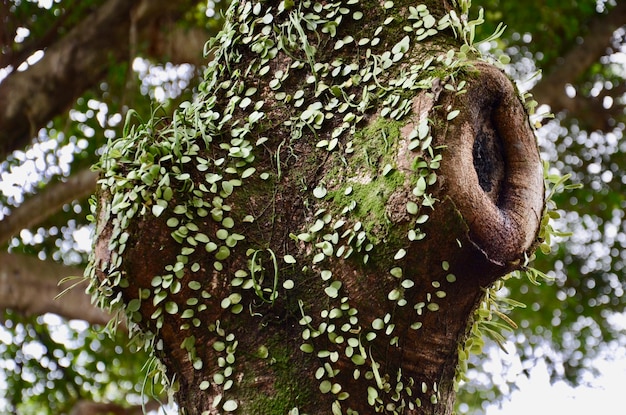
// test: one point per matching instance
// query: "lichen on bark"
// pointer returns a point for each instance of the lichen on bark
(322, 189)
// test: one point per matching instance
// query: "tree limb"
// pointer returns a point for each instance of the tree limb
(45, 204)
(30, 46)
(30, 98)
(29, 286)
(551, 89)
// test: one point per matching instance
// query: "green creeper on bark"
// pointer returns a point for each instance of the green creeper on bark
(321, 229)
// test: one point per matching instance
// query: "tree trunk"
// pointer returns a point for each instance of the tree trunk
(316, 231)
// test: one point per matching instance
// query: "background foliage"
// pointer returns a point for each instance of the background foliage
(48, 365)
(572, 320)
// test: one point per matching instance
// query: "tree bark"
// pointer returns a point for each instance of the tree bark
(315, 233)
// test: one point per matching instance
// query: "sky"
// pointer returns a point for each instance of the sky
(536, 396)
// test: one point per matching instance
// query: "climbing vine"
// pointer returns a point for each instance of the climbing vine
(194, 172)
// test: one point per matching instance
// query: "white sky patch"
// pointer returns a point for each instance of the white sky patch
(45, 4)
(210, 9)
(31, 60)
(82, 238)
(162, 82)
(21, 33)
(13, 183)
(618, 321)
(4, 72)
(5, 336)
(537, 396)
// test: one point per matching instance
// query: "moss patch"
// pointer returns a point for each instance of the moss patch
(372, 176)
(290, 389)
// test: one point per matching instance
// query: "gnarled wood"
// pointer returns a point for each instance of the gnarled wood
(323, 303)
(492, 169)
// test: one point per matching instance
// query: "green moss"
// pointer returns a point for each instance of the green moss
(375, 143)
(290, 388)
(372, 199)
(371, 175)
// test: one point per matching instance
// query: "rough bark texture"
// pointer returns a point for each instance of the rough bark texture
(315, 255)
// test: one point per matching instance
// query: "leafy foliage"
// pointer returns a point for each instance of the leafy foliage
(553, 24)
(48, 365)
(568, 319)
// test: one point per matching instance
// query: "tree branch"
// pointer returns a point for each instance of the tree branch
(30, 98)
(29, 286)
(77, 61)
(551, 89)
(45, 204)
(17, 57)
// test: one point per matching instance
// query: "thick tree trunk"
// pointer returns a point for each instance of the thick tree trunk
(315, 233)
